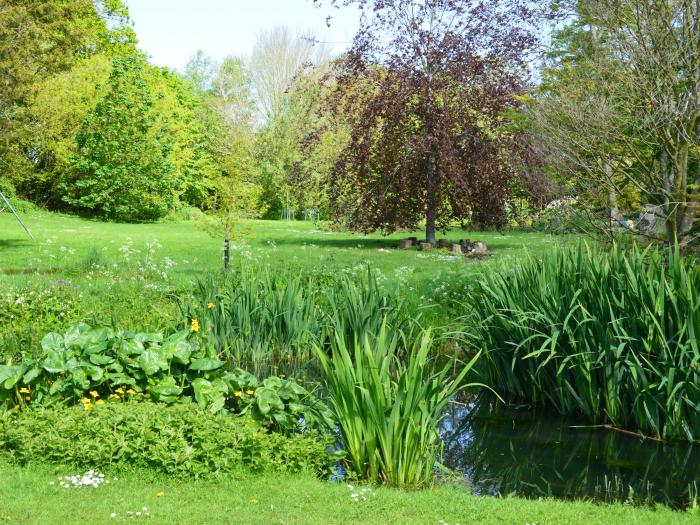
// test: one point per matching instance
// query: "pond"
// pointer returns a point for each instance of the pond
(501, 450)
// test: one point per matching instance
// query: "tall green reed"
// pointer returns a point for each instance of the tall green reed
(388, 399)
(264, 319)
(609, 335)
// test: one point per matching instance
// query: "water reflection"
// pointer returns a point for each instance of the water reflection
(505, 450)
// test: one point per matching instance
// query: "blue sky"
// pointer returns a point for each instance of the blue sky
(173, 30)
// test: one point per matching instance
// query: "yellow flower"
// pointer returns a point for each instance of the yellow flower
(210, 305)
(239, 393)
(28, 398)
(195, 325)
(253, 501)
(94, 393)
(250, 392)
(160, 494)
(131, 391)
(120, 390)
(85, 401)
(87, 406)
(24, 390)
(114, 396)
(100, 402)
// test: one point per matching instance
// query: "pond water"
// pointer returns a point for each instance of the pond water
(506, 450)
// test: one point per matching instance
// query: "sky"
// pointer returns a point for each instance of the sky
(171, 31)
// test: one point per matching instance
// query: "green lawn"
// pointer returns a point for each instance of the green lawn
(27, 498)
(65, 241)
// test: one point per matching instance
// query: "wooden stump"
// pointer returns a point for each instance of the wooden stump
(424, 246)
(414, 240)
(405, 244)
(480, 248)
(456, 249)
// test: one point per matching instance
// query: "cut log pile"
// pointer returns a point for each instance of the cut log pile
(463, 247)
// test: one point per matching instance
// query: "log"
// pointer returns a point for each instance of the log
(480, 248)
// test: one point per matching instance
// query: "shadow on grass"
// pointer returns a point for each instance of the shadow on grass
(15, 243)
(384, 243)
(336, 243)
(28, 271)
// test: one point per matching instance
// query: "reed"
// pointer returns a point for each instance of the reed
(610, 335)
(261, 319)
(388, 399)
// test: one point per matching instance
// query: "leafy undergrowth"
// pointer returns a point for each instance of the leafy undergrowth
(281, 499)
(181, 440)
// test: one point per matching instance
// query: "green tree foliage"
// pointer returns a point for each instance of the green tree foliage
(55, 112)
(39, 38)
(122, 170)
(193, 156)
(227, 118)
(296, 149)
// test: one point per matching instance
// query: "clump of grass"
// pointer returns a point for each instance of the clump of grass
(388, 407)
(611, 336)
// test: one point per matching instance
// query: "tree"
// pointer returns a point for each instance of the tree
(278, 57)
(55, 112)
(227, 117)
(38, 40)
(424, 91)
(122, 169)
(621, 105)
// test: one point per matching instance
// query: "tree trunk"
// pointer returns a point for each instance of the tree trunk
(612, 197)
(669, 206)
(430, 200)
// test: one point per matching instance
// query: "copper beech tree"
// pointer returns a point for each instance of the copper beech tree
(423, 94)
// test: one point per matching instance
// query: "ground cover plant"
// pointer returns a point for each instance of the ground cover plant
(182, 440)
(611, 335)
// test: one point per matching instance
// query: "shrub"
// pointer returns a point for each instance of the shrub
(92, 365)
(389, 407)
(182, 440)
(611, 336)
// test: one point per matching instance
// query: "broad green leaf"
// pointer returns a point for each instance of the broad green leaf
(31, 375)
(206, 365)
(151, 362)
(268, 401)
(52, 342)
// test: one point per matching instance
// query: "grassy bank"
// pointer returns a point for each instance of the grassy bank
(26, 497)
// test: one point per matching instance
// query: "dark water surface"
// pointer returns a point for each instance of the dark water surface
(504, 450)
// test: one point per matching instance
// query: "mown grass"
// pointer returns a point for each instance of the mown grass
(194, 252)
(27, 498)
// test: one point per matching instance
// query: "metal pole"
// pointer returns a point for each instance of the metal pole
(15, 214)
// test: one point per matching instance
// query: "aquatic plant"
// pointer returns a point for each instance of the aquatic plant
(388, 407)
(610, 335)
(262, 319)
